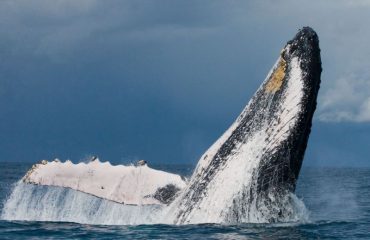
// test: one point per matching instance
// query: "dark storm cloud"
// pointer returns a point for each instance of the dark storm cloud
(159, 79)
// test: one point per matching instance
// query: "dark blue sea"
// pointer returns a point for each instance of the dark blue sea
(338, 201)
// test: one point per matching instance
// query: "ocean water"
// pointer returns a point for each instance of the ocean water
(337, 199)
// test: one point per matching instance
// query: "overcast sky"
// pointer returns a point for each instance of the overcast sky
(161, 80)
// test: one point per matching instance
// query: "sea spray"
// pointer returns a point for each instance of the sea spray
(47, 203)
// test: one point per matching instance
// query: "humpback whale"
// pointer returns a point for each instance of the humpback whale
(248, 175)
(250, 171)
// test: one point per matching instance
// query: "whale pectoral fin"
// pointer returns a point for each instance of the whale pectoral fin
(134, 185)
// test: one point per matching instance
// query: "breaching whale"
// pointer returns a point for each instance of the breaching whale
(248, 175)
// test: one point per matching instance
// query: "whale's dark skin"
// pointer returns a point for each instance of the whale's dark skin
(279, 162)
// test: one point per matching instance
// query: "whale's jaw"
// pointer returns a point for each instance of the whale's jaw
(249, 173)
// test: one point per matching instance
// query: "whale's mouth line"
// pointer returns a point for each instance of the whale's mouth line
(248, 175)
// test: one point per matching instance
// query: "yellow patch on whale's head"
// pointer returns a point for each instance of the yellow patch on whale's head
(277, 77)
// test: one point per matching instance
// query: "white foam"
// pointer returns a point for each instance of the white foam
(47, 203)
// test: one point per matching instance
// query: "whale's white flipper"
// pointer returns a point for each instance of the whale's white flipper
(134, 185)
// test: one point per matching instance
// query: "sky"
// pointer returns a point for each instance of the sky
(162, 80)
